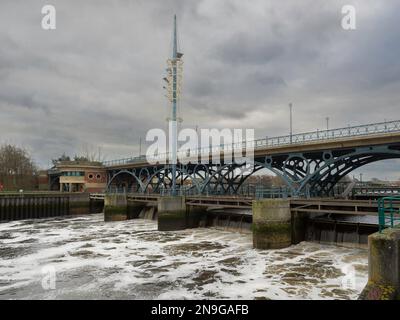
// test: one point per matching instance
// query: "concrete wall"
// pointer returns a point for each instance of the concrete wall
(79, 203)
(171, 213)
(383, 266)
(272, 228)
(36, 205)
(115, 207)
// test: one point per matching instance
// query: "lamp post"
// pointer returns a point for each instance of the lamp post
(291, 121)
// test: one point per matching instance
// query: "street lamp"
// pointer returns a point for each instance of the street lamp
(291, 121)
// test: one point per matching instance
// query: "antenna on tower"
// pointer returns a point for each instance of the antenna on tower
(173, 83)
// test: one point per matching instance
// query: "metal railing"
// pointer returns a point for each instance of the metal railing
(161, 191)
(367, 189)
(300, 138)
(376, 190)
(272, 193)
(388, 212)
(258, 193)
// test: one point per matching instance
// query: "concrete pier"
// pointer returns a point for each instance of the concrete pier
(171, 213)
(272, 226)
(115, 207)
(79, 203)
(383, 266)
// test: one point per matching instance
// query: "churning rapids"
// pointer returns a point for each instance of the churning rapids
(132, 260)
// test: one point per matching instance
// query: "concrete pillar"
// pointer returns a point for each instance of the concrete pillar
(79, 203)
(171, 213)
(115, 207)
(383, 266)
(272, 226)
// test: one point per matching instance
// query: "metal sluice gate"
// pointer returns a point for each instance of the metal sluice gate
(388, 212)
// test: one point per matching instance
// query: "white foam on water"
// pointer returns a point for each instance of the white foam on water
(132, 260)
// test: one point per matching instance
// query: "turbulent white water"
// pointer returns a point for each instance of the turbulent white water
(132, 260)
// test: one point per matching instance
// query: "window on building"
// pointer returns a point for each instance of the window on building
(73, 173)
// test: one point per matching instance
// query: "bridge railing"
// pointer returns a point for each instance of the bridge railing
(162, 191)
(257, 193)
(367, 189)
(361, 130)
(376, 190)
(272, 193)
(299, 138)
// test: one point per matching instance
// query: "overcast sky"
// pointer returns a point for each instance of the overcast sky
(97, 79)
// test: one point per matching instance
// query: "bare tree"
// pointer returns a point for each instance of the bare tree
(87, 152)
(63, 157)
(17, 170)
(91, 153)
(266, 180)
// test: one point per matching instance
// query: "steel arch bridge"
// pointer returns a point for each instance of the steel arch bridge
(309, 163)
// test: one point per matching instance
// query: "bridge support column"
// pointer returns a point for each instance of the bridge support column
(272, 226)
(171, 213)
(79, 203)
(383, 266)
(115, 207)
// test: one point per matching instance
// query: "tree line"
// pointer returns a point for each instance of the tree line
(87, 153)
(17, 169)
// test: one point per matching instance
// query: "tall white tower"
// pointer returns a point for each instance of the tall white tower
(174, 83)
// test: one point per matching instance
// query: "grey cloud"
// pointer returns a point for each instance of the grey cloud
(97, 78)
(242, 49)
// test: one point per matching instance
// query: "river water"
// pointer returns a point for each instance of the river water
(85, 258)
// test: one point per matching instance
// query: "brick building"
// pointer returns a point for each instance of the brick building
(77, 176)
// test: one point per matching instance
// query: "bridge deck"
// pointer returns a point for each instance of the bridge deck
(350, 137)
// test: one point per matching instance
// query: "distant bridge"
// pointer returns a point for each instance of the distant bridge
(309, 163)
(371, 191)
